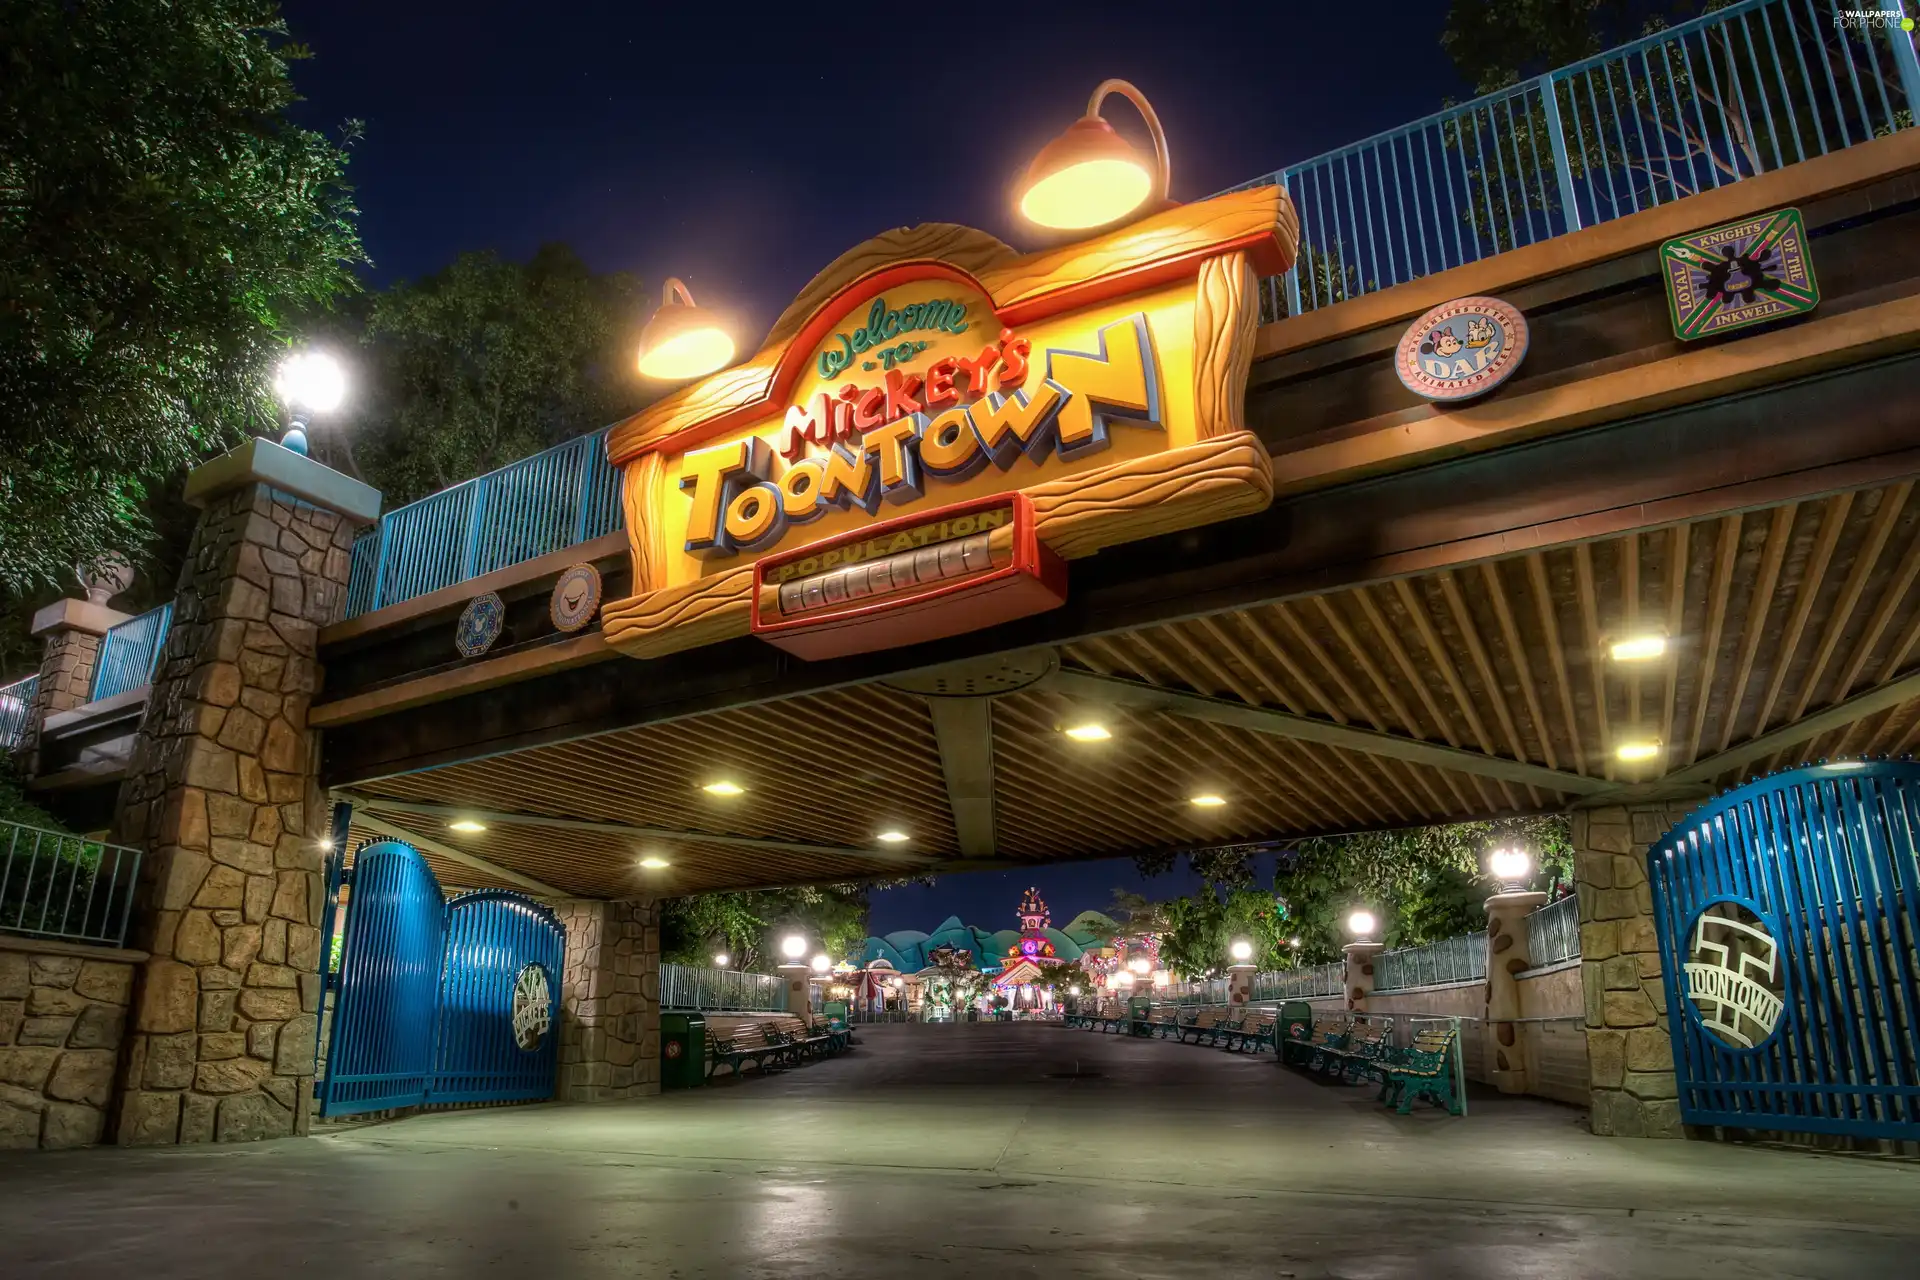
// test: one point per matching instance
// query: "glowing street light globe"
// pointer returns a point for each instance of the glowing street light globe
(311, 380)
(1241, 950)
(722, 960)
(1139, 964)
(1361, 923)
(793, 946)
(1510, 866)
(821, 963)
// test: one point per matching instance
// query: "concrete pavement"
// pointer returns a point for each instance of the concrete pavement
(972, 1151)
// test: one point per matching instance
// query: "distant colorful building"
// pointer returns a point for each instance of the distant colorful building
(1035, 946)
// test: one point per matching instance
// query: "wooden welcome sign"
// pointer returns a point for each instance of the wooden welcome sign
(938, 424)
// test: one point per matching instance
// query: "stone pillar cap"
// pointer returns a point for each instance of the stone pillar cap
(263, 461)
(1364, 948)
(77, 615)
(1509, 903)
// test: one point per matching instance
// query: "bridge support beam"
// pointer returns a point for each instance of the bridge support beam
(221, 794)
(1629, 1051)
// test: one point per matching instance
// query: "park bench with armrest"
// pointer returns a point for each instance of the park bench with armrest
(1255, 1029)
(1200, 1027)
(1423, 1070)
(811, 1041)
(1329, 1036)
(1367, 1045)
(744, 1042)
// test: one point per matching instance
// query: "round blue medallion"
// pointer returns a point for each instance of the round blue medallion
(479, 625)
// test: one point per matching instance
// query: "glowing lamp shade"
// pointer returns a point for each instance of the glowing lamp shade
(682, 341)
(1139, 964)
(793, 946)
(893, 836)
(722, 960)
(1637, 750)
(821, 963)
(724, 788)
(1241, 950)
(654, 864)
(1361, 923)
(467, 826)
(1207, 800)
(1074, 990)
(1090, 176)
(1088, 732)
(311, 380)
(1509, 865)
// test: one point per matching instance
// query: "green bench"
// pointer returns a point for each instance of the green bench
(1329, 1036)
(1198, 1028)
(1425, 1069)
(747, 1042)
(1366, 1045)
(1254, 1029)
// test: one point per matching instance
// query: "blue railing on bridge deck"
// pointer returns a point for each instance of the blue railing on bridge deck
(1729, 95)
(130, 652)
(555, 499)
(16, 706)
(1738, 92)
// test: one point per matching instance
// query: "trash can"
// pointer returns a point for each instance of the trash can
(1140, 1015)
(683, 1051)
(1293, 1030)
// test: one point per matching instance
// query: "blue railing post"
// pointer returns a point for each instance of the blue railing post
(476, 517)
(377, 596)
(1562, 168)
(1908, 61)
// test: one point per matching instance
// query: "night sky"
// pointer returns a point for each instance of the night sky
(743, 152)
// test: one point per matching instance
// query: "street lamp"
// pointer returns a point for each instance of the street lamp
(722, 960)
(682, 340)
(1241, 950)
(1360, 924)
(309, 382)
(793, 946)
(1090, 176)
(1139, 964)
(1511, 866)
(821, 963)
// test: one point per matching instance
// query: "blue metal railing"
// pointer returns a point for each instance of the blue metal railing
(54, 885)
(686, 987)
(130, 651)
(554, 499)
(1461, 959)
(1300, 984)
(1735, 93)
(1553, 932)
(16, 709)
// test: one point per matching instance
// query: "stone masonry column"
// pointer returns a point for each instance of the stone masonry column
(1239, 985)
(222, 796)
(797, 979)
(1629, 1051)
(610, 1000)
(1507, 957)
(72, 632)
(1360, 957)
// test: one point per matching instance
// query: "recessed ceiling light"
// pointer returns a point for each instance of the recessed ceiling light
(1639, 648)
(892, 836)
(1092, 731)
(1208, 800)
(653, 864)
(724, 788)
(1635, 750)
(466, 824)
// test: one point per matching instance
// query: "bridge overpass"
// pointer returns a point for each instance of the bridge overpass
(1401, 612)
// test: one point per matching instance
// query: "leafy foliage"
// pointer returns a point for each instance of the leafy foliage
(750, 923)
(486, 362)
(1424, 884)
(161, 223)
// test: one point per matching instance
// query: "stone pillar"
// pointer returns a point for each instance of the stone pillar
(71, 631)
(797, 979)
(610, 1000)
(1239, 985)
(1507, 957)
(1360, 972)
(1629, 1051)
(221, 794)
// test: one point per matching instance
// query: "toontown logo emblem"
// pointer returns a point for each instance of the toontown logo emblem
(1733, 975)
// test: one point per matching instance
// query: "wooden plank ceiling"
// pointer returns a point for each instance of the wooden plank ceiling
(1492, 683)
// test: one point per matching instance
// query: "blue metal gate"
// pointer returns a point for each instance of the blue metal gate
(436, 1000)
(1788, 912)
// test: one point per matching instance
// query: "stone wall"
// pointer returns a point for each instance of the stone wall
(610, 1000)
(1629, 1052)
(221, 793)
(63, 1012)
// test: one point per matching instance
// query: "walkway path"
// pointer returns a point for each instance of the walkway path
(972, 1151)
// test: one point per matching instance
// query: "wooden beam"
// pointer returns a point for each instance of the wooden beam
(1879, 698)
(964, 729)
(447, 851)
(1115, 691)
(363, 803)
